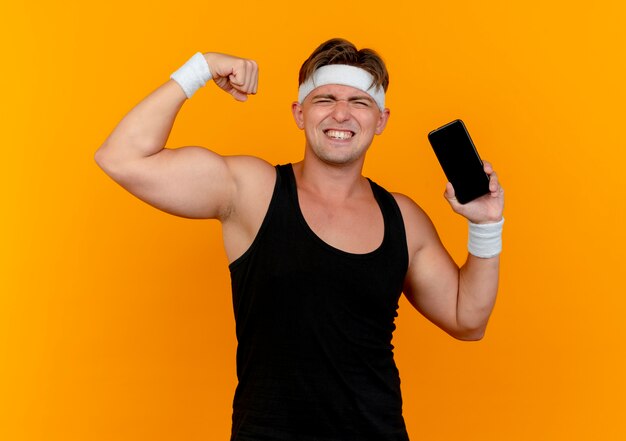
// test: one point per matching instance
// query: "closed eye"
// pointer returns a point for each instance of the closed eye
(323, 101)
(361, 103)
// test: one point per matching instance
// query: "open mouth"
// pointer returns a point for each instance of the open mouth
(339, 134)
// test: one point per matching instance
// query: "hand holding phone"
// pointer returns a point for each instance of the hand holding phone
(460, 161)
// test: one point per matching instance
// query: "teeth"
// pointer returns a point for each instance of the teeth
(339, 134)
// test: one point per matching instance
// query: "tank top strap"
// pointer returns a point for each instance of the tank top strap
(395, 232)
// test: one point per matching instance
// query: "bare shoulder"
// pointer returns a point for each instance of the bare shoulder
(419, 228)
(248, 170)
(412, 213)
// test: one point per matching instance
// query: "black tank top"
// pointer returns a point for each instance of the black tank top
(314, 327)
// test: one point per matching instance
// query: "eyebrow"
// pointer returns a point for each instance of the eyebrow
(352, 98)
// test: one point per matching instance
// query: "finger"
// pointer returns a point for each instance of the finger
(236, 80)
(248, 86)
(494, 183)
(238, 90)
(239, 96)
(487, 167)
(256, 80)
(243, 79)
(251, 71)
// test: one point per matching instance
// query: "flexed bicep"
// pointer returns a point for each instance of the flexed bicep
(189, 182)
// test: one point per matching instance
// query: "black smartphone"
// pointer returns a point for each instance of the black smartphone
(460, 161)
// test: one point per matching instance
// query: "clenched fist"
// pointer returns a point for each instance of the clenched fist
(237, 76)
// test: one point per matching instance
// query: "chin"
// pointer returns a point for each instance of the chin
(338, 159)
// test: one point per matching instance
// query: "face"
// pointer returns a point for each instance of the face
(339, 123)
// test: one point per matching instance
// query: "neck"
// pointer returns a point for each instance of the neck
(336, 182)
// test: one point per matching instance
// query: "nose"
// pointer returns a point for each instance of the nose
(341, 111)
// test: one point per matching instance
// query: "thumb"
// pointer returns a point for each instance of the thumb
(239, 96)
(449, 194)
(225, 84)
(237, 84)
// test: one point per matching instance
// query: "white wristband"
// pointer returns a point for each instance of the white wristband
(485, 240)
(193, 75)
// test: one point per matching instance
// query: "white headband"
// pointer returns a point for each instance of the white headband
(344, 75)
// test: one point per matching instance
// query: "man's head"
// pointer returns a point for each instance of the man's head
(337, 61)
(341, 102)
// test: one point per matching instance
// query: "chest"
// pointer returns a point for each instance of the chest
(356, 226)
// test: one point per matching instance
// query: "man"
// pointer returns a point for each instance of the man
(319, 254)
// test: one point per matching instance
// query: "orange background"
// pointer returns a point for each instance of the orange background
(115, 318)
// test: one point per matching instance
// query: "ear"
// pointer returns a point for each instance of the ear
(296, 110)
(382, 121)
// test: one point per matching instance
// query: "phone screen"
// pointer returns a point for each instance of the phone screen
(460, 161)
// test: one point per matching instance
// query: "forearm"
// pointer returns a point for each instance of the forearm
(458, 300)
(478, 286)
(145, 129)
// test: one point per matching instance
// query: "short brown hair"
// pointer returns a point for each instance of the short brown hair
(340, 51)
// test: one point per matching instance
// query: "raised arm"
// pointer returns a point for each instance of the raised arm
(458, 300)
(189, 181)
